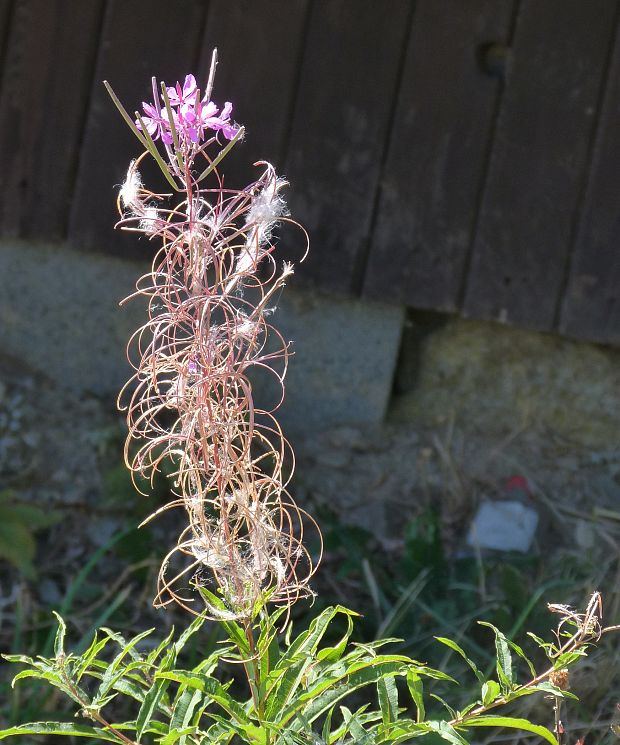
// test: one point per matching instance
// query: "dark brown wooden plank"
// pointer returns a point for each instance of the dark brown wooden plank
(6, 12)
(139, 40)
(438, 144)
(46, 80)
(591, 306)
(259, 46)
(539, 160)
(348, 80)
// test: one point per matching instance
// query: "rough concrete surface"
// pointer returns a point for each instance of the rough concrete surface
(345, 354)
(59, 314)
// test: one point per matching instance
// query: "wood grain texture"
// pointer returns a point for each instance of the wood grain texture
(591, 305)
(344, 100)
(259, 46)
(438, 144)
(539, 161)
(138, 41)
(47, 76)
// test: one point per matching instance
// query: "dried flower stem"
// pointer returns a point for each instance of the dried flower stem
(211, 287)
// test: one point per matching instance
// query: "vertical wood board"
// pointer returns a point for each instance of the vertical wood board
(6, 12)
(46, 83)
(591, 307)
(259, 45)
(539, 161)
(138, 41)
(344, 100)
(438, 145)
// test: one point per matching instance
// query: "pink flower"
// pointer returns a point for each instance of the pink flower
(179, 97)
(222, 122)
(191, 117)
(156, 125)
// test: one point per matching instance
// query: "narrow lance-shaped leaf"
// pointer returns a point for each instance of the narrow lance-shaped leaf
(459, 650)
(505, 672)
(388, 699)
(447, 732)
(68, 729)
(152, 148)
(416, 689)
(59, 640)
(513, 723)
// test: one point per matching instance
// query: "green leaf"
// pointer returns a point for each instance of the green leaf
(113, 673)
(17, 546)
(194, 626)
(233, 630)
(505, 672)
(459, 650)
(445, 704)
(547, 646)
(513, 723)
(60, 728)
(548, 687)
(285, 686)
(490, 691)
(447, 732)
(29, 515)
(178, 735)
(519, 651)
(308, 641)
(54, 679)
(327, 725)
(88, 657)
(321, 696)
(18, 658)
(173, 130)
(355, 727)
(566, 659)
(416, 689)
(388, 699)
(333, 654)
(143, 135)
(162, 647)
(153, 697)
(184, 710)
(210, 686)
(135, 689)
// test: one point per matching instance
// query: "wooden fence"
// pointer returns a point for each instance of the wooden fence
(458, 155)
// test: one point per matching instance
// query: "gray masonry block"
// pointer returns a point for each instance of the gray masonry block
(59, 314)
(343, 362)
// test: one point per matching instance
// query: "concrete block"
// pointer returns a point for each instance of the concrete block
(344, 358)
(59, 314)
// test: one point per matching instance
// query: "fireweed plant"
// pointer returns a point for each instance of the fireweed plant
(241, 559)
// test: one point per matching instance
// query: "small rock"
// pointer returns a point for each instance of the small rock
(504, 526)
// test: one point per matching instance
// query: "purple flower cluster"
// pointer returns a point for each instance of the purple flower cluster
(191, 115)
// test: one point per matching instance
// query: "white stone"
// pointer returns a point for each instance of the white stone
(503, 526)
